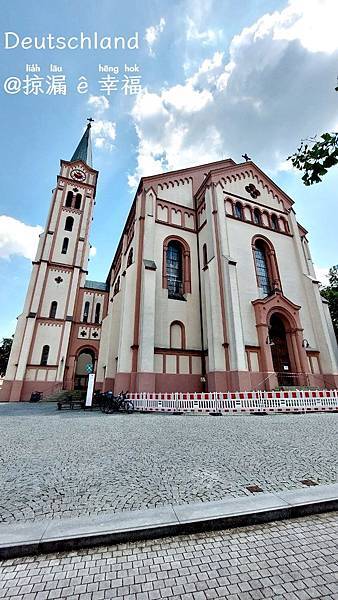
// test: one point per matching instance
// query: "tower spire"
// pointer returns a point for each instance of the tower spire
(84, 148)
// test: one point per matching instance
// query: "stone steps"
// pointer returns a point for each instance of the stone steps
(294, 388)
(62, 395)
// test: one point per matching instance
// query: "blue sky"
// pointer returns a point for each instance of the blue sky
(219, 78)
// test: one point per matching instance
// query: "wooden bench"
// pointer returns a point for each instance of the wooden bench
(70, 403)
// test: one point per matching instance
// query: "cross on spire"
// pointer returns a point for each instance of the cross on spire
(84, 149)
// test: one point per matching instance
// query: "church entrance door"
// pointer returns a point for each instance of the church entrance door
(84, 366)
(280, 352)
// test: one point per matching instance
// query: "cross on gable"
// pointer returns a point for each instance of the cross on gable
(90, 120)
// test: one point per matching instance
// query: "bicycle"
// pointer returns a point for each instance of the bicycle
(110, 403)
(125, 403)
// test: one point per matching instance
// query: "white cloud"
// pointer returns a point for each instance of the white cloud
(322, 274)
(103, 130)
(206, 37)
(17, 238)
(104, 134)
(185, 98)
(312, 22)
(99, 103)
(92, 251)
(152, 35)
(272, 87)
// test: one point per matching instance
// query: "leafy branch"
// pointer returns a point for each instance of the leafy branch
(317, 158)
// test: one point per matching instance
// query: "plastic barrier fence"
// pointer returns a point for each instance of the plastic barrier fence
(237, 402)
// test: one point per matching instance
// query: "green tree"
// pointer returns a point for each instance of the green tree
(5, 350)
(316, 156)
(330, 293)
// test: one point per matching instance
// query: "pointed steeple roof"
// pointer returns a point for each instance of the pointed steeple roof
(84, 149)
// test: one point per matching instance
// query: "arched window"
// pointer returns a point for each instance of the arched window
(283, 223)
(257, 216)
(86, 312)
(274, 223)
(239, 211)
(69, 224)
(44, 356)
(177, 335)
(205, 255)
(65, 246)
(176, 267)
(69, 199)
(262, 267)
(53, 309)
(117, 286)
(175, 270)
(130, 257)
(97, 312)
(78, 199)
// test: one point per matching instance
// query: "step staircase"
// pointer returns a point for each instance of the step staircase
(295, 388)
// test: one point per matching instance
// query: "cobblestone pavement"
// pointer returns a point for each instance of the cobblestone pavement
(70, 463)
(295, 560)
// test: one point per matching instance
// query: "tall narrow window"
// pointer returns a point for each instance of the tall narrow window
(44, 356)
(263, 275)
(69, 199)
(53, 309)
(69, 224)
(257, 216)
(78, 199)
(239, 211)
(86, 312)
(97, 312)
(65, 246)
(117, 286)
(274, 223)
(174, 270)
(205, 255)
(130, 257)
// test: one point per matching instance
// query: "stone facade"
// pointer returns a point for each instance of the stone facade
(212, 287)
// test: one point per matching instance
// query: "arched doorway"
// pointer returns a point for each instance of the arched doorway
(84, 366)
(279, 344)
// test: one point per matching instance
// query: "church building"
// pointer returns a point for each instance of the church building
(212, 288)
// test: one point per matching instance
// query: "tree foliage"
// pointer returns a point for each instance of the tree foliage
(315, 159)
(316, 156)
(5, 350)
(330, 293)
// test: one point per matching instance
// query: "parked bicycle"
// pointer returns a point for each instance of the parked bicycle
(110, 403)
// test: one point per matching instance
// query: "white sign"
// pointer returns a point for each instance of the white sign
(90, 389)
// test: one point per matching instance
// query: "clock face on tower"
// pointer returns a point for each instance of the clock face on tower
(78, 175)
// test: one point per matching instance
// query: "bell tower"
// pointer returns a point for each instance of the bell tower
(41, 340)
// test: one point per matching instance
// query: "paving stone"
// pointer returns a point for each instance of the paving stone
(39, 486)
(310, 532)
